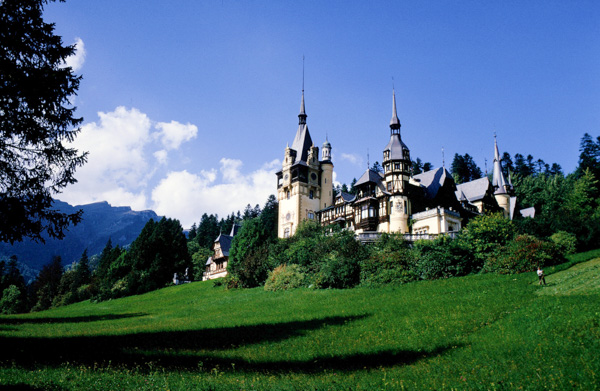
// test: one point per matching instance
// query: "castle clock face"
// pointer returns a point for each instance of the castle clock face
(286, 177)
(288, 216)
(313, 176)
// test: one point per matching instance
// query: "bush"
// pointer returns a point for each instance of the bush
(442, 258)
(484, 235)
(284, 277)
(11, 301)
(525, 253)
(337, 270)
(390, 261)
(565, 242)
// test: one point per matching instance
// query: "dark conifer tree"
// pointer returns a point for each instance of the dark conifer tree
(46, 286)
(37, 121)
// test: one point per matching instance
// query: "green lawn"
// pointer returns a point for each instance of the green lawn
(477, 332)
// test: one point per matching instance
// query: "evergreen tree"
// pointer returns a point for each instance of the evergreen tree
(352, 189)
(377, 167)
(192, 234)
(159, 251)
(507, 165)
(417, 166)
(46, 286)
(555, 169)
(208, 230)
(248, 256)
(268, 217)
(82, 274)
(37, 122)
(589, 156)
(464, 169)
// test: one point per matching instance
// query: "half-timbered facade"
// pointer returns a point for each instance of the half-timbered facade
(391, 201)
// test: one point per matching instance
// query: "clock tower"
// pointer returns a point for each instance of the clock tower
(304, 184)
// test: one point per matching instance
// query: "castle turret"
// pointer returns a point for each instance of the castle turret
(502, 188)
(396, 168)
(299, 182)
(326, 176)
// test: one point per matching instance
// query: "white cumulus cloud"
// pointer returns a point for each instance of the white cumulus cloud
(117, 168)
(187, 196)
(161, 156)
(78, 58)
(126, 163)
(173, 134)
(352, 158)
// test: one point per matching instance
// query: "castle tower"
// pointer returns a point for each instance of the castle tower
(326, 176)
(502, 188)
(303, 187)
(396, 168)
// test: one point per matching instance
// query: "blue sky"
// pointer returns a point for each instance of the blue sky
(188, 105)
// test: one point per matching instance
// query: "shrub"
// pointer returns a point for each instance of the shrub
(218, 282)
(231, 282)
(442, 258)
(484, 235)
(11, 301)
(338, 270)
(390, 262)
(284, 277)
(525, 253)
(565, 242)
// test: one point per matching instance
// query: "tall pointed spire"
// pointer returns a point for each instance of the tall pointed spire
(498, 180)
(394, 122)
(302, 115)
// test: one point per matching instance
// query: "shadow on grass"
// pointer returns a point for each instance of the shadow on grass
(75, 319)
(187, 350)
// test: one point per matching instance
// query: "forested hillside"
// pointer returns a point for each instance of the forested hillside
(100, 222)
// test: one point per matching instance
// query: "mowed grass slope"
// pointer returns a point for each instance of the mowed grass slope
(476, 332)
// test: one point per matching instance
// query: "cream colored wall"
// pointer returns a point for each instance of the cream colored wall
(294, 210)
(399, 219)
(326, 186)
(435, 221)
(504, 202)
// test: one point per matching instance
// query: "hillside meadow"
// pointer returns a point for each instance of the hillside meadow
(489, 332)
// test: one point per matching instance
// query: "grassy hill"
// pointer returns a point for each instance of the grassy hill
(477, 332)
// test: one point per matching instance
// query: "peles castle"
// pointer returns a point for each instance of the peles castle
(392, 201)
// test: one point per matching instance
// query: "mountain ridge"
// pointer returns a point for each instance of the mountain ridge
(100, 222)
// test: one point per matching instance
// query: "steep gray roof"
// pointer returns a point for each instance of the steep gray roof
(234, 230)
(474, 190)
(302, 142)
(433, 180)
(498, 180)
(347, 196)
(394, 122)
(396, 147)
(528, 212)
(225, 242)
(369, 176)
